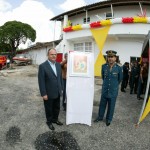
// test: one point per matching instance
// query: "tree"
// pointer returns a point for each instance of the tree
(13, 33)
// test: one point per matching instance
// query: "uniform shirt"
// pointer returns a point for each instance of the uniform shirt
(125, 72)
(111, 79)
(135, 71)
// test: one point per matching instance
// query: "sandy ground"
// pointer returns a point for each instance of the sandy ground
(22, 120)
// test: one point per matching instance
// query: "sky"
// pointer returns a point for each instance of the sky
(38, 13)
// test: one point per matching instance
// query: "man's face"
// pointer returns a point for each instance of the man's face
(111, 59)
(52, 55)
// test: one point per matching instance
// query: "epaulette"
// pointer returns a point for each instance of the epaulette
(105, 64)
(120, 65)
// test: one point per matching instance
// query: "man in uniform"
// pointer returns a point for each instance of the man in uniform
(134, 77)
(125, 76)
(112, 76)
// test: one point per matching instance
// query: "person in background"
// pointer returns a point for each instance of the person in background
(64, 76)
(134, 76)
(142, 80)
(125, 77)
(112, 76)
(51, 86)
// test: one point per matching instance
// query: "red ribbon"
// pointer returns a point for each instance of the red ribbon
(95, 24)
(68, 29)
(127, 20)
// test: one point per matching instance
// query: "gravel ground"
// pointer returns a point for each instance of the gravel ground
(22, 120)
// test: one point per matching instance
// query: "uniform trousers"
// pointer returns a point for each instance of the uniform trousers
(110, 103)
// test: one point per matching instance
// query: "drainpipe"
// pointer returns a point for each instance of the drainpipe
(86, 16)
(141, 8)
(53, 44)
(54, 30)
(112, 12)
(65, 20)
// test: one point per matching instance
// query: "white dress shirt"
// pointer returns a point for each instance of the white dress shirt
(53, 66)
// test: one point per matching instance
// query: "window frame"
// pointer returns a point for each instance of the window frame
(110, 15)
(85, 46)
(86, 20)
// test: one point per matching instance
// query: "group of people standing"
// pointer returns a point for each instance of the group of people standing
(52, 85)
(136, 76)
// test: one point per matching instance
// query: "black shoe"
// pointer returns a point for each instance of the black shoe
(58, 123)
(123, 91)
(51, 126)
(97, 120)
(107, 123)
(130, 92)
(139, 98)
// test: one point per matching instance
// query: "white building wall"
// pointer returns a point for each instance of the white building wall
(125, 47)
(129, 29)
(119, 12)
(38, 56)
(126, 39)
(130, 11)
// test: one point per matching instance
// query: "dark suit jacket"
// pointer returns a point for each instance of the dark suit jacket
(49, 83)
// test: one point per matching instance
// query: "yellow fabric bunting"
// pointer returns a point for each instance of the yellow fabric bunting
(77, 27)
(105, 22)
(100, 36)
(140, 20)
(146, 111)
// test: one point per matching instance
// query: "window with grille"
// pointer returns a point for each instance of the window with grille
(88, 20)
(109, 15)
(83, 47)
(78, 47)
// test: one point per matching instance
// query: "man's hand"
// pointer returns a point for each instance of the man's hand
(45, 97)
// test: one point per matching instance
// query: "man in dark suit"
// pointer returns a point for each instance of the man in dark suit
(51, 86)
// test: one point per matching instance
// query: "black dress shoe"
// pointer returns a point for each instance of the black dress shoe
(51, 126)
(97, 120)
(107, 123)
(58, 123)
(139, 98)
(123, 91)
